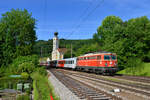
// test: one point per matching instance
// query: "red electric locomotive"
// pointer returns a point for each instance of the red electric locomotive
(102, 62)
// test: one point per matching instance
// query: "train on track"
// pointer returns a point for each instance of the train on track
(101, 63)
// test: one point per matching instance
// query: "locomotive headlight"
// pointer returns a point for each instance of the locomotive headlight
(110, 62)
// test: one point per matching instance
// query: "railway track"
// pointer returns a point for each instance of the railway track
(82, 90)
(138, 88)
(134, 78)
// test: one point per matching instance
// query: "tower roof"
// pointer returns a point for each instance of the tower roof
(55, 33)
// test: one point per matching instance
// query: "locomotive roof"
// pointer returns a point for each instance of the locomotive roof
(69, 58)
(96, 53)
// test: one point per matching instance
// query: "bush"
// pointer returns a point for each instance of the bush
(26, 67)
(24, 75)
(23, 64)
(42, 71)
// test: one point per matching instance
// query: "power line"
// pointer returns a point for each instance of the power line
(78, 26)
(83, 13)
(45, 12)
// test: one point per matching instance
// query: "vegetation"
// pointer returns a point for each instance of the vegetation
(17, 35)
(78, 47)
(22, 64)
(17, 62)
(42, 87)
(142, 70)
(23, 97)
(27, 66)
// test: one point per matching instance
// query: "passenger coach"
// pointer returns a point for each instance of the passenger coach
(67, 63)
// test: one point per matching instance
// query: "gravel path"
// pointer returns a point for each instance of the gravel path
(62, 91)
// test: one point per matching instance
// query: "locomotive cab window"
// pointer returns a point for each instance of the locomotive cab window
(106, 57)
(113, 57)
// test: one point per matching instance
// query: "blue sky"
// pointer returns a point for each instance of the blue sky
(69, 17)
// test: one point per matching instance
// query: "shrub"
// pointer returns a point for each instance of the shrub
(23, 64)
(41, 70)
(26, 67)
(24, 75)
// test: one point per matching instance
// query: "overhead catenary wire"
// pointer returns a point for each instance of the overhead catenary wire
(80, 18)
(84, 12)
(86, 17)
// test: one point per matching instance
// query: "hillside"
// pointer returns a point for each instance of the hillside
(44, 48)
(142, 70)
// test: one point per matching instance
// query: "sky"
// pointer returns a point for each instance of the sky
(75, 19)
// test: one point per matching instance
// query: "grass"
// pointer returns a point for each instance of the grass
(142, 70)
(23, 97)
(42, 88)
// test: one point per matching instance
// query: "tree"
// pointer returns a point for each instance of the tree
(17, 29)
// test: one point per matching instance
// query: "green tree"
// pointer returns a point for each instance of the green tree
(17, 29)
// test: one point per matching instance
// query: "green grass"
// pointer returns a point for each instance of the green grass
(42, 88)
(142, 70)
(23, 97)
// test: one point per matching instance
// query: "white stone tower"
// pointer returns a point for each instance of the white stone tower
(55, 41)
(55, 47)
(57, 53)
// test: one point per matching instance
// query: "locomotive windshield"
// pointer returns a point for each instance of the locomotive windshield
(106, 57)
(113, 57)
(110, 57)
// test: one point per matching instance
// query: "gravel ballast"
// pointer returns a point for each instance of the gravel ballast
(62, 91)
